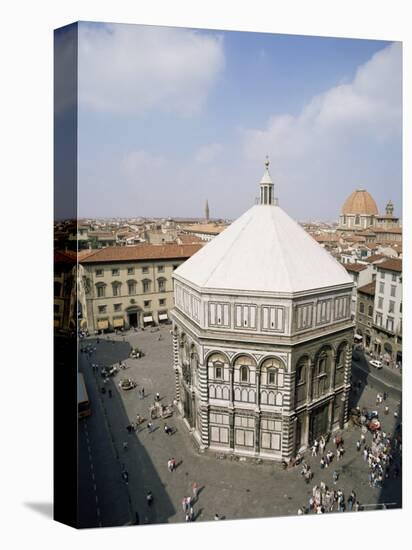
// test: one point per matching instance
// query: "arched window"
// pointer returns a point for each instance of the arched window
(361, 307)
(370, 311)
(340, 364)
(273, 372)
(357, 219)
(244, 374)
(301, 380)
(244, 367)
(271, 377)
(216, 364)
(321, 373)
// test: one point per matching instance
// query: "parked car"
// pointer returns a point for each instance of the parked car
(127, 384)
(375, 363)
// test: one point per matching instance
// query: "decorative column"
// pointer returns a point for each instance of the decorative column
(257, 431)
(343, 418)
(309, 380)
(231, 394)
(288, 436)
(231, 428)
(204, 419)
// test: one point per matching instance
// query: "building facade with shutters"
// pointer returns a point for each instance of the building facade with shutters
(262, 337)
(123, 287)
(387, 325)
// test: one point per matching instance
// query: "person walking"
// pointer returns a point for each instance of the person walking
(217, 517)
(125, 476)
(322, 445)
(110, 393)
(358, 445)
(335, 477)
(149, 498)
(142, 393)
(195, 490)
(157, 397)
(173, 464)
(169, 465)
(125, 445)
(150, 427)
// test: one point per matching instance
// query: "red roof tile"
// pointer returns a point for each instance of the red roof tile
(391, 265)
(142, 252)
(355, 267)
(368, 289)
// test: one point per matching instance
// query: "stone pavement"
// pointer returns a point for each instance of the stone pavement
(232, 489)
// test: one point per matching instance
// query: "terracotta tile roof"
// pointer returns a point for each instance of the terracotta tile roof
(355, 267)
(391, 265)
(82, 254)
(374, 258)
(396, 230)
(326, 238)
(142, 252)
(368, 289)
(189, 239)
(209, 228)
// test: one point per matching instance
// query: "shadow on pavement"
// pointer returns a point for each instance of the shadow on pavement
(391, 492)
(390, 495)
(142, 476)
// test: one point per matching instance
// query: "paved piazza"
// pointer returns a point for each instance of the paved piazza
(232, 489)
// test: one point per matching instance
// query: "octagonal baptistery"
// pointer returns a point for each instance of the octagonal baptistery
(262, 337)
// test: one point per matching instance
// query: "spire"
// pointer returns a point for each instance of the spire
(389, 209)
(266, 186)
(207, 210)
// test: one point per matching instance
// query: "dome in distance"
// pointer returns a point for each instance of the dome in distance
(360, 202)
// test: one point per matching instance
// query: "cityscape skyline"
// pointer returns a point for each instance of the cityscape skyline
(177, 131)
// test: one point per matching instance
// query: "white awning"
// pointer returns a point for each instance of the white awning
(358, 336)
(118, 322)
(102, 324)
(163, 316)
(378, 341)
(148, 319)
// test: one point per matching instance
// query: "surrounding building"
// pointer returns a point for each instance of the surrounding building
(262, 336)
(205, 231)
(360, 213)
(388, 311)
(365, 315)
(128, 286)
(361, 275)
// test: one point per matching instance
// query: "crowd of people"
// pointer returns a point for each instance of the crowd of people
(381, 451)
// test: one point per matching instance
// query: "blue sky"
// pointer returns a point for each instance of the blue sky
(169, 117)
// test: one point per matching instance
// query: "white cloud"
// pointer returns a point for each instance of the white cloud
(135, 69)
(370, 107)
(346, 137)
